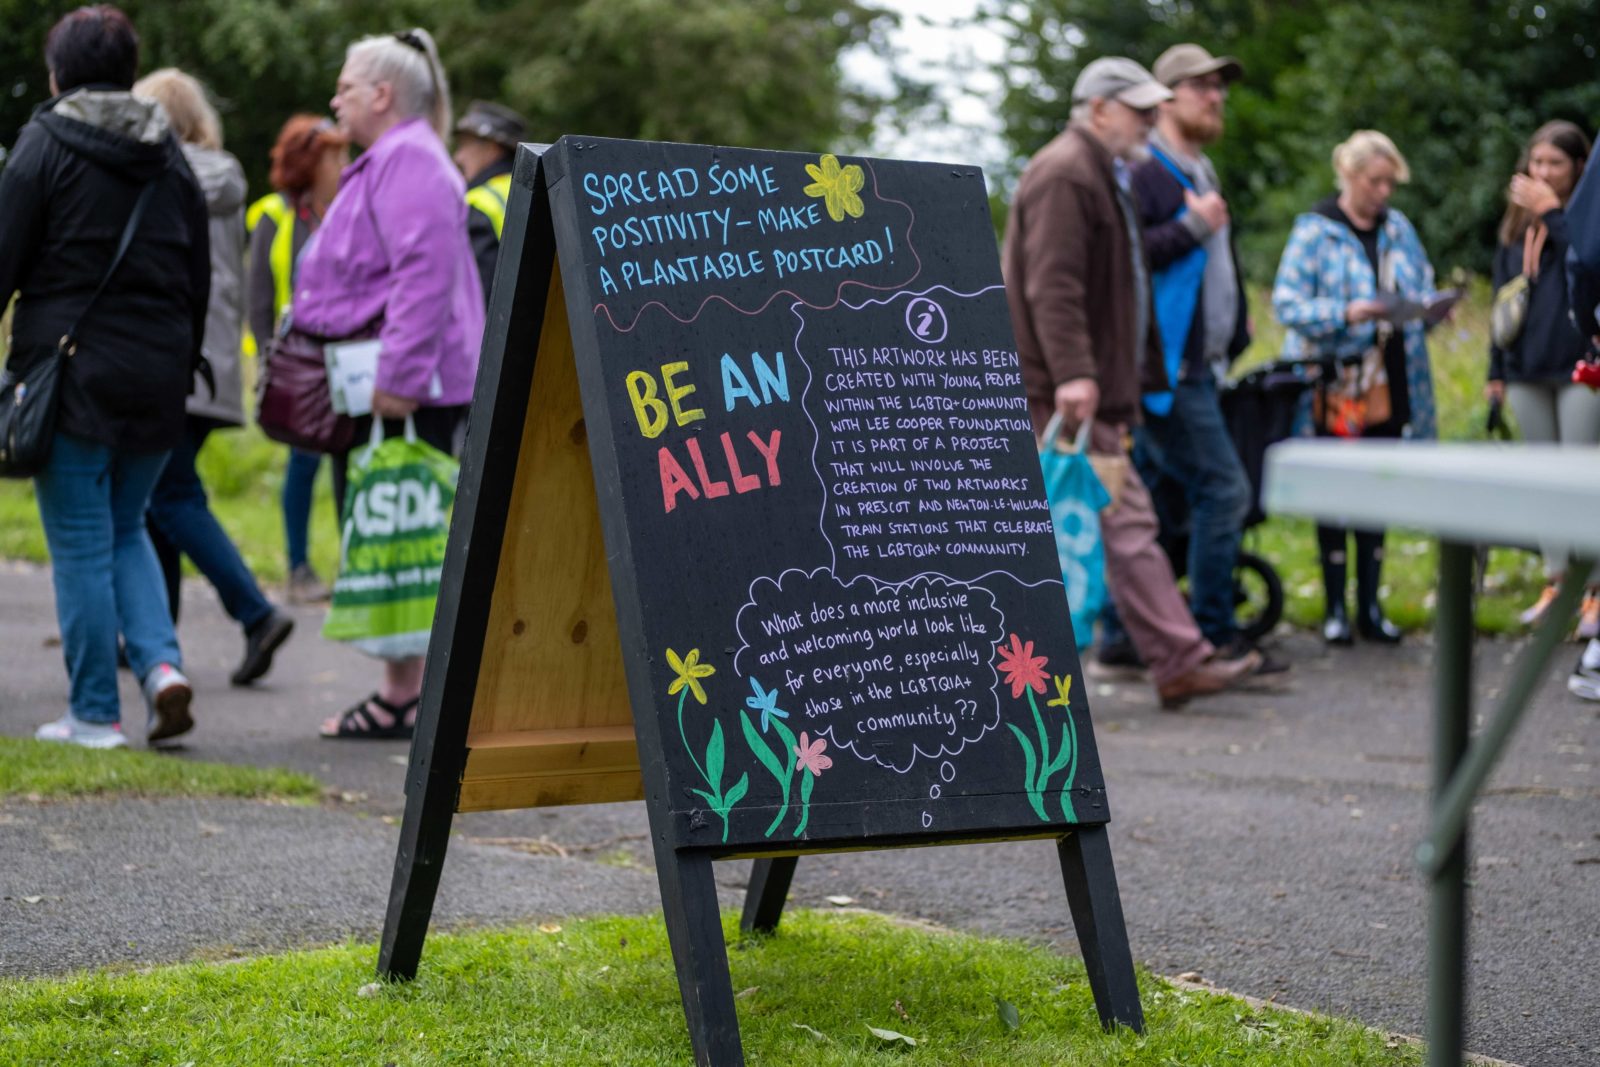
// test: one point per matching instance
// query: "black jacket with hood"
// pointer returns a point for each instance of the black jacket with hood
(1549, 344)
(66, 193)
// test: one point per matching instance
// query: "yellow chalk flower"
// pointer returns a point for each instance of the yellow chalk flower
(689, 670)
(837, 186)
(1062, 685)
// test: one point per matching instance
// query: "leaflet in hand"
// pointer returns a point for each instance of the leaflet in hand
(352, 373)
(1431, 309)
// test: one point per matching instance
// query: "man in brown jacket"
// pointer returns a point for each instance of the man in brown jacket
(1079, 290)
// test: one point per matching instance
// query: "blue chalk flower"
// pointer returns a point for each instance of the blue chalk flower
(765, 702)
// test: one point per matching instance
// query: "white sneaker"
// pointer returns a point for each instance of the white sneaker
(1584, 682)
(77, 732)
(167, 695)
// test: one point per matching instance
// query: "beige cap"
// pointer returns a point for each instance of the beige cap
(1191, 61)
(1122, 80)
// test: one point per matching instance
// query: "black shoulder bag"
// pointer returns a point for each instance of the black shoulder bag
(30, 401)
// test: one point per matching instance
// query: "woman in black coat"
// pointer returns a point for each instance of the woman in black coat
(68, 191)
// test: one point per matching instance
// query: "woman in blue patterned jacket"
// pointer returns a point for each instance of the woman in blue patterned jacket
(1341, 255)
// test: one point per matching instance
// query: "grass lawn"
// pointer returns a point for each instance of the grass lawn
(244, 473)
(44, 769)
(602, 991)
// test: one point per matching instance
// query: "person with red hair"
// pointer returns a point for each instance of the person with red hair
(306, 161)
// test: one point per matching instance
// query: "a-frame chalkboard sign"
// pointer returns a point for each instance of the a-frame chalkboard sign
(751, 526)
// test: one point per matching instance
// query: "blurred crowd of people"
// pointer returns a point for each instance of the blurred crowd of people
(1122, 274)
(1128, 304)
(400, 244)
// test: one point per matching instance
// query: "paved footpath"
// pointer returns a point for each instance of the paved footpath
(1262, 840)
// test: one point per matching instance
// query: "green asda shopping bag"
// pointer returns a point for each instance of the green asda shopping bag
(391, 546)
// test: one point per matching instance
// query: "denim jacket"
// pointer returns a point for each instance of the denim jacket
(1324, 268)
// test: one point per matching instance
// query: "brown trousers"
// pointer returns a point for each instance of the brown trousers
(1140, 577)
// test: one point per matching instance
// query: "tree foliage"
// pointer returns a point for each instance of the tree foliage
(1458, 84)
(739, 72)
(755, 73)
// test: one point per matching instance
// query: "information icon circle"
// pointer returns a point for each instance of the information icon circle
(925, 319)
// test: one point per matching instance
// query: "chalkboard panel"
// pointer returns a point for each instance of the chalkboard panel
(837, 590)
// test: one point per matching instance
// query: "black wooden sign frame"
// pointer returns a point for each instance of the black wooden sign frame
(529, 260)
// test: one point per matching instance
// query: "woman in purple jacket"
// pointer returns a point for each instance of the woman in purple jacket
(392, 254)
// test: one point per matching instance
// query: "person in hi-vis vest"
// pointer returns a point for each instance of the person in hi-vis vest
(486, 138)
(307, 159)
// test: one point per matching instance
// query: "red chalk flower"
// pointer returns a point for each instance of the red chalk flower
(1022, 668)
(809, 755)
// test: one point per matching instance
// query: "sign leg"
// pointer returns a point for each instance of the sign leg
(1097, 915)
(472, 561)
(424, 836)
(694, 927)
(769, 888)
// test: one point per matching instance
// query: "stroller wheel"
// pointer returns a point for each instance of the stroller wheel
(1257, 596)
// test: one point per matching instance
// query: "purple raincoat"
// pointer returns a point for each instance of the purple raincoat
(394, 247)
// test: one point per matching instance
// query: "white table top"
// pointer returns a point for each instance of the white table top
(1515, 494)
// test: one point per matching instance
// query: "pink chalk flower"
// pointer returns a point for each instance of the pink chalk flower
(809, 755)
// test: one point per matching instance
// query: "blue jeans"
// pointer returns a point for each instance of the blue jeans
(92, 501)
(181, 515)
(1192, 446)
(299, 478)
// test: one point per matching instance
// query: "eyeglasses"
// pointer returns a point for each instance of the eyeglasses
(411, 39)
(1203, 86)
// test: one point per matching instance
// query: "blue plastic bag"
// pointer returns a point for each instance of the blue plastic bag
(1076, 497)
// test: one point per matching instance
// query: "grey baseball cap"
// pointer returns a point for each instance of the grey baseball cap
(493, 122)
(1120, 79)
(1191, 61)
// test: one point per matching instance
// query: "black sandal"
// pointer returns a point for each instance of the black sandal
(358, 724)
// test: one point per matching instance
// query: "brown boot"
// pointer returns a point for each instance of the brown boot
(1212, 676)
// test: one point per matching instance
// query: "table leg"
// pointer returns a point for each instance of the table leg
(1472, 771)
(1447, 924)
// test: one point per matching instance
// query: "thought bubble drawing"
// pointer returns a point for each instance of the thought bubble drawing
(889, 673)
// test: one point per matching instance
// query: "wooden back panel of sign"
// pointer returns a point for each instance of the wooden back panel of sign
(551, 722)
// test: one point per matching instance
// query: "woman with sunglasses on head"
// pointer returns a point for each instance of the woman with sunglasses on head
(307, 159)
(393, 254)
(1531, 359)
